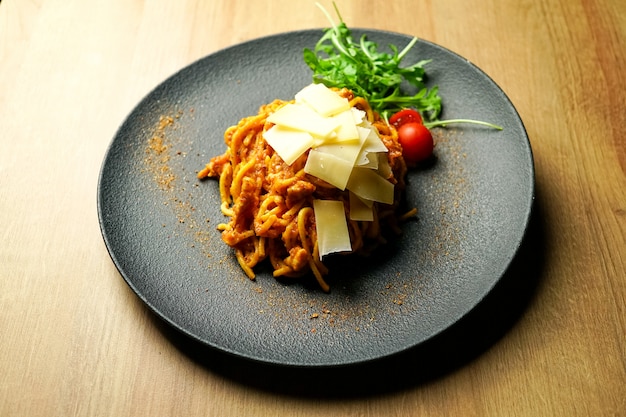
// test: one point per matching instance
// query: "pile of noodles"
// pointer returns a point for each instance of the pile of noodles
(270, 204)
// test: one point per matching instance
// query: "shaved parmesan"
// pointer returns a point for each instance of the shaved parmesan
(373, 142)
(359, 115)
(347, 129)
(323, 100)
(360, 210)
(367, 160)
(303, 118)
(289, 144)
(329, 168)
(344, 148)
(348, 151)
(367, 184)
(332, 227)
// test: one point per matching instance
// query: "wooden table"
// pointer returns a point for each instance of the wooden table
(77, 341)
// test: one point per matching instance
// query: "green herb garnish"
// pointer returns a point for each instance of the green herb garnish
(338, 61)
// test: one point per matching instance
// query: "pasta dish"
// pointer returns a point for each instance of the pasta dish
(276, 202)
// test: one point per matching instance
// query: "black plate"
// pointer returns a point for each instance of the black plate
(159, 222)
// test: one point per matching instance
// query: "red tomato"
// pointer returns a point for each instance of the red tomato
(417, 142)
(405, 116)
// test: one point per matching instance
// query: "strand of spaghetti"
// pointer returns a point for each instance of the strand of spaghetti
(266, 225)
(282, 184)
(233, 239)
(254, 256)
(204, 172)
(303, 216)
(260, 247)
(318, 274)
(226, 210)
(251, 126)
(271, 244)
(285, 183)
(239, 175)
(408, 214)
(293, 211)
(274, 213)
(318, 262)
(290, 235)
(279, 265)
(228, 134)
(282, 271)
(224, 184)
(265, 212)
(242, 263)
(356, 238)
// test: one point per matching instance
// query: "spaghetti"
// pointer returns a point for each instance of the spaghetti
(270, 203)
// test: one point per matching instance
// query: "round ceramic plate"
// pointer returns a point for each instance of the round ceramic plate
(159, 222)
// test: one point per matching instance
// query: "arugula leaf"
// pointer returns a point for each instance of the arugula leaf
(339, 61)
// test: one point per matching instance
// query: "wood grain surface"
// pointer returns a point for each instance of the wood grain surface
(76, 341)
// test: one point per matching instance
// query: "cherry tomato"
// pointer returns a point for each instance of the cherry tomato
(417, 142)
(405, 116)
